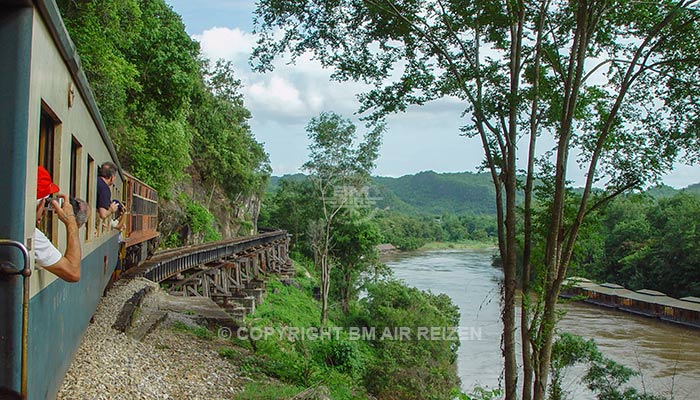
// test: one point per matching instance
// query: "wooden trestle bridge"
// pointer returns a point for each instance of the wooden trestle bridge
(230, 272)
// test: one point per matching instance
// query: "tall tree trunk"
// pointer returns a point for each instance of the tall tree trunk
(525, 328)
(552, 262)
(345, 290)
(324, 288)
(517, 13)
(325, 270)
(509, 298)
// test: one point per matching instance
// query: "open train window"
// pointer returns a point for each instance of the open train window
(47, 142)
(47, 128)
(90, 195)
(76, 153)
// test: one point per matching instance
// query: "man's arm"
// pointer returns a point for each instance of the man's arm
(106, 212)
(103, 212)
(68, 267)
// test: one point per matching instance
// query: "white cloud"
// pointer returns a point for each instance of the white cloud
(229, 44)
(276, 94)
(292, 92)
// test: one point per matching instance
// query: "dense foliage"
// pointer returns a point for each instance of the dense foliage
(163, 106)
(426, 193)
(640, 242)
(606, 378)
(411, 210)
(433, 193)
(414, 368)
(410, 232)
(352, 364)
(200, 220)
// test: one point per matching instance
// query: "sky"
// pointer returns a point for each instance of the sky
(283, 101)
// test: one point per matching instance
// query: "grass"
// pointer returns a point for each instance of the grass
(297, 364)
(198, 331)
(282, 367)
(289, 307)
(264, 391)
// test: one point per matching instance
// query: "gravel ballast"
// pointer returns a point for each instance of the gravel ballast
(166, 365)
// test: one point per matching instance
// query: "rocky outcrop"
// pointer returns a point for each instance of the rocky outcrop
(233, 218)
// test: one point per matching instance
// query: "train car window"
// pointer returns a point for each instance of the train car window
(76, 154)
(47, 142)
(90, 195)
(47, 127)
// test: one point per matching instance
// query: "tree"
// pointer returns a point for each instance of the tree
(414, 368)
(163, 106)
(338, 169)
(223, 147)
(144, 68)
(613, 81)
(355, 239)
(604, 377)
(291, 207)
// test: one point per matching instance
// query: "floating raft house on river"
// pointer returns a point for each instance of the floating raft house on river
(650, 303)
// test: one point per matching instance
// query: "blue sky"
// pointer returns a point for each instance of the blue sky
(283, 101)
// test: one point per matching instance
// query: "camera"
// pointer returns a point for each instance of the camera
(120, 209)
(73, 202)
(48, 203)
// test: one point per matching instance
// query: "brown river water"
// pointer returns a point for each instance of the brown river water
(667, 356)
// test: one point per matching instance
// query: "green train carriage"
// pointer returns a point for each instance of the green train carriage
(48, 117)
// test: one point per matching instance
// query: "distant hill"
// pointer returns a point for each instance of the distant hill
(432, 193)
(274, 181)
(426, 192)
(694, 188)
(661, 191)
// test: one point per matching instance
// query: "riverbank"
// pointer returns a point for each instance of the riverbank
(462, 245)
(666, 356)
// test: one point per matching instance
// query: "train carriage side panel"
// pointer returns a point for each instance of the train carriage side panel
(58, 311)
(141, 222)
(51, 86)
(15, 44)
(142, 204)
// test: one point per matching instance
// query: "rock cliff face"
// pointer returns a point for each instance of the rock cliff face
(232, 218)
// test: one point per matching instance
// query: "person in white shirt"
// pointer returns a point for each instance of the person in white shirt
(65, 266)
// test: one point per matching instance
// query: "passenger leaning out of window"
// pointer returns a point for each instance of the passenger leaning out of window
(106, 175)
(73, 213)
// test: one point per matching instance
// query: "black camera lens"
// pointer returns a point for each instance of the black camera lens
(48, 202)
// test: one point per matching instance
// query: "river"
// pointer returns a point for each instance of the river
(668, 356)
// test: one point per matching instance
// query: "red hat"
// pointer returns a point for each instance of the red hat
(44, 184)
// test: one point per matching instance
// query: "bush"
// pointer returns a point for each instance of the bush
(200, 220)
(416, 368)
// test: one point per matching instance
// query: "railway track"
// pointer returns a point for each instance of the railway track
(169, 263)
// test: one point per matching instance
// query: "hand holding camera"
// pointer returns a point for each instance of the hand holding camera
(117, 208)
(62, 206)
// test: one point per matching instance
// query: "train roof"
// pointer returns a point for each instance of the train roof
(612, 285)
(52, 18)
(644, 295)
(691, 299)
